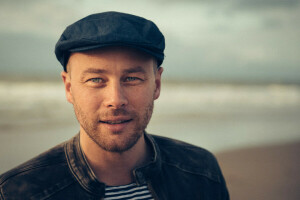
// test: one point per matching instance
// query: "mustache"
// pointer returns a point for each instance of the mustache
(116, 113)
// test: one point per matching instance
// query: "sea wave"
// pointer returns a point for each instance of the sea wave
(216, 116)
(22, 94)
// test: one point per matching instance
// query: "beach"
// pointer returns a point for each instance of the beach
(263, 173)
(253, 130)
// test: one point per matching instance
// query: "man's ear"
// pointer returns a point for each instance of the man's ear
(158, 82)
(67, 81)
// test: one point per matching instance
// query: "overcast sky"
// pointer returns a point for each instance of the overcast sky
(234, 40)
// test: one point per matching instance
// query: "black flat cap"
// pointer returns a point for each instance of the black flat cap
(110, 29)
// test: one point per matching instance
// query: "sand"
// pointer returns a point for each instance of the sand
(263, 173)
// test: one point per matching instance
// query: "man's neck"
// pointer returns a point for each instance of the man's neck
(114, 168)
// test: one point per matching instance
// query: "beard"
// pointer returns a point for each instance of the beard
(127, 139)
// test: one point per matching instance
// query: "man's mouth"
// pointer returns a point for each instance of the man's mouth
(112, 122)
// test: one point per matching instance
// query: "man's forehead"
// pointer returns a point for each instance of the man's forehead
(124, 54)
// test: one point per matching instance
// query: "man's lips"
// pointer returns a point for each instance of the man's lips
(116, 125)
(116, 121)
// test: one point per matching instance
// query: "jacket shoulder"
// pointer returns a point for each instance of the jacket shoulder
(188, 158)
(46, 173)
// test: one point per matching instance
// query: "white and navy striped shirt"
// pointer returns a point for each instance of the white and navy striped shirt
(127, 192)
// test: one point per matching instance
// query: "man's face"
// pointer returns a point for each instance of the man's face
(112, 91)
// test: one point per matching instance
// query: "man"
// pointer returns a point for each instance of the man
(112, 75)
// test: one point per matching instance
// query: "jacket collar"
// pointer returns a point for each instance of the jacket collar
(80, 168)
(145, 173)
(87, 179)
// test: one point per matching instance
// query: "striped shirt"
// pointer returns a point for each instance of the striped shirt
(129, 192)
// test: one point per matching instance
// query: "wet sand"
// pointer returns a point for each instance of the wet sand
(263, 173)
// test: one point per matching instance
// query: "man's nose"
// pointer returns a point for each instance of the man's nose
(115, 96)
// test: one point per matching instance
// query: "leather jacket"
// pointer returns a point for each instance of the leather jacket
(177, 171)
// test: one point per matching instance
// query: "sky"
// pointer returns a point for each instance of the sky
(206, 40)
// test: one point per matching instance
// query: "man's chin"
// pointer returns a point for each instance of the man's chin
(117, 141)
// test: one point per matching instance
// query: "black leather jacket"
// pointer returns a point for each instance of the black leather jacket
(177, 171)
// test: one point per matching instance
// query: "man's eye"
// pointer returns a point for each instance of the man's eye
(132, 79)
(96, 80)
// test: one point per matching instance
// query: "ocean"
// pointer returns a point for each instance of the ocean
(35, 116)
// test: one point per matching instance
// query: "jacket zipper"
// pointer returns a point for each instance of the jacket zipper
(152, 191)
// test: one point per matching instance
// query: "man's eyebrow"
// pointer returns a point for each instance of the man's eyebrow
(135, 70)
(91, 71)
(94, 71)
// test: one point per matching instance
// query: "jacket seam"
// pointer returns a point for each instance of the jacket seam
(152, 191)
(74, 173)
(1, 194)
(66, 186)
(25, 169)
(200, 174)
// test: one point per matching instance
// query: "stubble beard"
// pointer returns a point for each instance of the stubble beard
(101, 138)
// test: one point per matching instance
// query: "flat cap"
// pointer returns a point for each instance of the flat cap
(110, 29)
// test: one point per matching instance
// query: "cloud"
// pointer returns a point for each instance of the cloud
(265, 4)
(241, 3)
(44, 18)
(204, 38)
